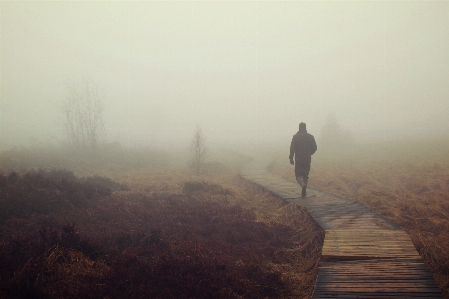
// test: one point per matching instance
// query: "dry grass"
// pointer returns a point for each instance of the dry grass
(297, 263)
(171, 234)
(407, 182)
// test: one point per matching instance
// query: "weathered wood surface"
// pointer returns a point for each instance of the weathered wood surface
(363, 255)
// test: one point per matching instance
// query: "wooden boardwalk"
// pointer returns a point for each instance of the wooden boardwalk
(363, 255)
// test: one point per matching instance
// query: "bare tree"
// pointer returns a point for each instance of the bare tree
(199, 151)
(82, 111)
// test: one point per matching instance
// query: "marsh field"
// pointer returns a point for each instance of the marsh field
(139, 223)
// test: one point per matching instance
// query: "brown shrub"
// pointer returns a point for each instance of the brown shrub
(187, 239)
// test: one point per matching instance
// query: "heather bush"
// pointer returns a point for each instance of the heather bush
(43, 192)
(197, 241)
(219, 252)
(106, 156)
(195, 187)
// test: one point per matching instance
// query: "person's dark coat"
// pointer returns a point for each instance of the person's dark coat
(303, 146)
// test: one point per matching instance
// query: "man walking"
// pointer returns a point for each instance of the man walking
(303, 146)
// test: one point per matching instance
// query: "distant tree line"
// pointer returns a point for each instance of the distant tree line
(333, 137)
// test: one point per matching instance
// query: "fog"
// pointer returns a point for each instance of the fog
(242, 71)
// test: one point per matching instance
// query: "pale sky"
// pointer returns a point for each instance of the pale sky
(240, 70)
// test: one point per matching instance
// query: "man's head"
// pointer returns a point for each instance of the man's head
(302, 126)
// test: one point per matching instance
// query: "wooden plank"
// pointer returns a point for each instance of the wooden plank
(379, 278)
(368, 243)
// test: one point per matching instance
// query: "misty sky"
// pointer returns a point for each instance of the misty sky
(240, 70)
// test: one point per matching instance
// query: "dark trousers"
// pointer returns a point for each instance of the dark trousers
(302, 173)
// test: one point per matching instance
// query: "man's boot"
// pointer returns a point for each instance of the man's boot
(304, 187)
